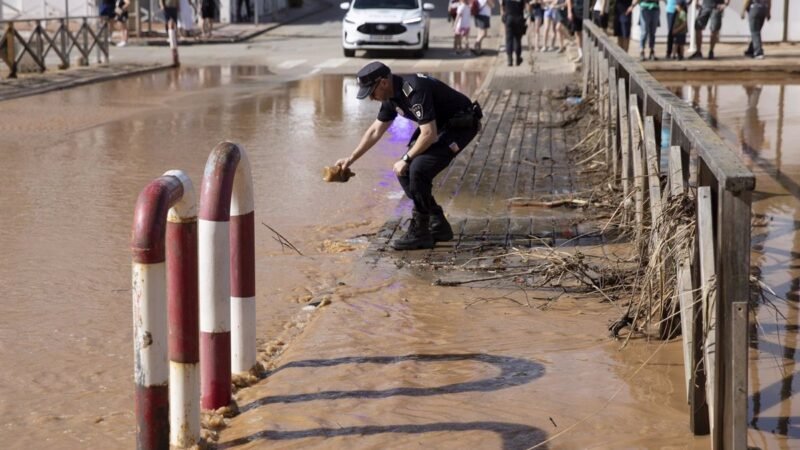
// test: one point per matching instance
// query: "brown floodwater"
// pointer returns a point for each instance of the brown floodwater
(760, 121)
(392, 363)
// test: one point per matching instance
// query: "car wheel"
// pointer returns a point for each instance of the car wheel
(349, 53)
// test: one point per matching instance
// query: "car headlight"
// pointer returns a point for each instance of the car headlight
(412, 21)
(349, 20)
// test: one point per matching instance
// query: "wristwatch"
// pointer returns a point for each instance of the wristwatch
(406, 158)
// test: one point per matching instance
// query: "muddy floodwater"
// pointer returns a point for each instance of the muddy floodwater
(760, 120)
(73, 163)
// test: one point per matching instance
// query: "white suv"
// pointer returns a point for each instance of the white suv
(385, 25)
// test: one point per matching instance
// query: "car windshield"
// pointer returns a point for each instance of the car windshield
(385, 4)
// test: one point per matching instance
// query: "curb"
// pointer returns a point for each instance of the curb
(80, 82)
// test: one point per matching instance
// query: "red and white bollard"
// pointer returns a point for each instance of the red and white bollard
(227, 273)
(184, 318)
(169, 195)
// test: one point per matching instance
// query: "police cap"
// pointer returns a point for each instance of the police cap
(369, 76)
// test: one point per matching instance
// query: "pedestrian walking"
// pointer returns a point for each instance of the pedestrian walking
(650, 14)
(461, 27)
(710, 14)
(208, 11)
(561, 24)
(536, 18)
(549, 25)
(186, 14)
(121, 18)
(600, 13)
(622, 23)
(671, 9)
(575, 15)
(759, 11)
(447, 120)
(482, 22)
(679, 29)
(170, 8)
(513, 13)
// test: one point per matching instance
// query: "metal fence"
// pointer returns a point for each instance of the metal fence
(712, 288)
(30, 42)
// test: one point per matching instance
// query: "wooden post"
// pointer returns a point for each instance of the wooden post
(587, 64)
(733, 280)
(638, 172)
(653, 175)
(613, 123)
(711, 338)
(625, 143)
(695, 381)
(739, 341)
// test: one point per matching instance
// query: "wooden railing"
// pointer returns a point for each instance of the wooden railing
(37, 38)
(712, 277)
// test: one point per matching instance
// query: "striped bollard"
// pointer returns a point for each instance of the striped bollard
(149, 290)
(227, 273)
(184, 318)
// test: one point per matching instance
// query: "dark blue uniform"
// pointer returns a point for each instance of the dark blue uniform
(424, 99)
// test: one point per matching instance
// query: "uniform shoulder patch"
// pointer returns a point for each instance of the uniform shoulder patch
(417, 110)
(407, 89)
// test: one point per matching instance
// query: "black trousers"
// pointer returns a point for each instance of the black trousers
(515, 28)
(417, 182)
(239, 10)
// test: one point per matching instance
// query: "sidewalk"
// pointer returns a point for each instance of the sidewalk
(237, 32)
(729, 57)
(449, 347)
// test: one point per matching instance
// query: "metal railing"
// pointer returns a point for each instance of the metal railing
(712, 279)
(34, 39)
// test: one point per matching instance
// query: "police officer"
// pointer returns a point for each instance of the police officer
(513, 13)
(447, 120)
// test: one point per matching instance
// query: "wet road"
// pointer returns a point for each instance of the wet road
(760, 122)
(73, 163)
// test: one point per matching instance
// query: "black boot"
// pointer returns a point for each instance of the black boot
(440, 227)
(418, 235)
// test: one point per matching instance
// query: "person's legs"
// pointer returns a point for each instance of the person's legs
(417, 183)
(509, 41)
(548, 25)
(715, 24)
(670, 37)
(537, 33)
(577, 25)
(757, 16)
(700, 23)
(652, 25)
(625, 32)
(483, 29)
(518, 46)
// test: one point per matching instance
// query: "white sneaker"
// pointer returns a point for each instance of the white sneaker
(122, 44)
